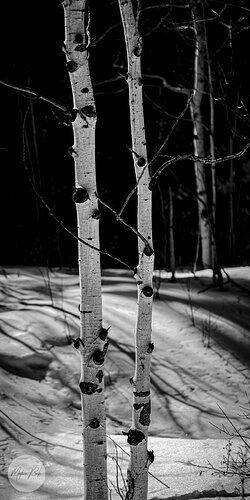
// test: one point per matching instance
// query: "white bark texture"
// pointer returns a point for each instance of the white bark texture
(198, 134)
(138, 434)
(92, 345)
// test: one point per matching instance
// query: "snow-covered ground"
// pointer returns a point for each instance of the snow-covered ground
(200, 377)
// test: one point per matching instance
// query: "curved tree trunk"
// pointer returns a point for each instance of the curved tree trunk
(198, 134)
(138, 434)
(92, 337)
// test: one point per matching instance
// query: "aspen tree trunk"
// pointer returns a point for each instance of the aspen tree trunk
(92, 343)
(140, 458)
(213, 163)
(198, 134)
(171, 234)
(232, 241)
(213, 172)
(217, 275)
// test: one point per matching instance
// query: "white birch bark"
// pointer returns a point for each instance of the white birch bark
(198, 134)
(92, 340)
(140, 458)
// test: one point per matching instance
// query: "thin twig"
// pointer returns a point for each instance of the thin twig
(124, 451)
(133, 190)
(35, 437)
(234, 427)
(171, 130)
(120, 219)
(164, 5)
(55, 217)
(36, 95)
(174, 159)
(241, 287)
(166, 85)
(206, 160)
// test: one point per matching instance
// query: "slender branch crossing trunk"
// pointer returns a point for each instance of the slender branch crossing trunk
(92, 342)
(138, 434)
(198, 134)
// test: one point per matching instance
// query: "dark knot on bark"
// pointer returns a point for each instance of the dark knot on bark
(147, 291)
(135, 437)
(80, 195)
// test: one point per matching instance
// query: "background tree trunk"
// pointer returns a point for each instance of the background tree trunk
(231, 203)
(92, 336)
(171, 234)
(217, 276)
(198, 134)
(138, 434)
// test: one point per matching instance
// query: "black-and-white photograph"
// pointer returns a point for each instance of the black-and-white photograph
(125, 250)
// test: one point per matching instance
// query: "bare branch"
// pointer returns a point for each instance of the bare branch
(164, 5)
(133, 190)
(206, 493)
(54, 216)
(206, 160)
(162, 110)
(241, 287)
(36, 95)
(103, 35)
(170, 132)
(120, 219)
(164, 84)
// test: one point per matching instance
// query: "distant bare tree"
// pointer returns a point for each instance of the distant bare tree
(198, 132)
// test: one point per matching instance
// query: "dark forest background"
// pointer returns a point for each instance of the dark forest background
(31, 40)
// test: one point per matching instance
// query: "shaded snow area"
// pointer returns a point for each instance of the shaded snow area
(199, 384)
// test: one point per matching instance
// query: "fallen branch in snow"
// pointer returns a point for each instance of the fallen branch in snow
(69, 447)
(37, 438)
(16, 339)
(241, 287)
(213, 285)
(204, 494)
(57, 308)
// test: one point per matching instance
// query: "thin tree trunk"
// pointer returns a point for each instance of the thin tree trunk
(138, 434)
(164, 251)
(92, 343)
(198, 134)
(231, 204)
(213, 164)
(162, 207)
(196, 252)
(171, 234)
(217, 275)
